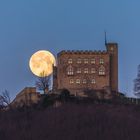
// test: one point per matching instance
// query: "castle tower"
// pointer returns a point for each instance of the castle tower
(112, 49)
(55, 78)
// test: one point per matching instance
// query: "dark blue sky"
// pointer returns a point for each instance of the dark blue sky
(30, 25)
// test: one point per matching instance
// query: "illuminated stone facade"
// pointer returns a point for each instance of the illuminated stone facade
(81, 70)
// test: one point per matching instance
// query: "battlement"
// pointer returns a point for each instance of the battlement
(81, 52)
(111, 43)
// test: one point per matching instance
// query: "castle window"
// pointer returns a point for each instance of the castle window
(71, 81)
(93, 70)
(70, 70)
(101, 61)
(102, 70)
(77, 81)
(93, 81)
(78, 70)
(79, 61)
(111, 48)
(93, 61)
(86, 61)
(70, 61)
(84, 81)
(86, 70)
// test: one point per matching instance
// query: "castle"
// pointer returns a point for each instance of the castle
(80, 70)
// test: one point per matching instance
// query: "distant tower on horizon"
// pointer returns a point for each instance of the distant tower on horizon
(137, 83)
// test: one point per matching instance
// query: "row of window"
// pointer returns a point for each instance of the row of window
(86, 61)
(82, 81)
(86, 70)
(101, 70)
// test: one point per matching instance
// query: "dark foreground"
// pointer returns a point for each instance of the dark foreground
(72, 121)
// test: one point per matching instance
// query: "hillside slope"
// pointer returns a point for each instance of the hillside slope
(72, 121)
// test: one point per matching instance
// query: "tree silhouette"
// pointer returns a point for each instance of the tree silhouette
(5, 98)
(137, 83)
(43, 83)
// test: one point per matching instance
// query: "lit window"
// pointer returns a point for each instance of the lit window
(71, 81)
(102, 70)
(84, 81)
(93, 70)
(101, 61)
(70, 61)
(86, 70)
(111, 48)
(86, 61)
(78, 70)
(93, 61)
(79, 61)
(93, 81)
(70, 70)
(78, 81)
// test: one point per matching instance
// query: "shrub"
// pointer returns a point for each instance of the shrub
(47, 101)
(64, 94)
(91, 93)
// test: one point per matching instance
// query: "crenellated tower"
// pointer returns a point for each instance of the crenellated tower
(112, 49)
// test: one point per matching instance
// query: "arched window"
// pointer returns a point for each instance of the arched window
(84, 81)
(93, 81)
(86, 61)
(71, 81)
(70, 70)
(79, 61)
(85, 70)
(78, 81)
(101, 61)
(70, 61)
(93, 70)
(78, 70)
(102, 70)
(93, 61)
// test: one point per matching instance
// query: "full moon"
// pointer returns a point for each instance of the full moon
(41, 63)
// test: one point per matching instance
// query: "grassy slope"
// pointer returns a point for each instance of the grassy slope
(73, 121)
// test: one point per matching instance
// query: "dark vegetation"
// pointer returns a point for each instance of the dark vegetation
(64, 117)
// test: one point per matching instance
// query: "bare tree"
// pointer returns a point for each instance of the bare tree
(1, 102)
(43, 82)
(137, 84)
(5, 98)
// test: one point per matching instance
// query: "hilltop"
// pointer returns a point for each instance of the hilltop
(72, 121)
